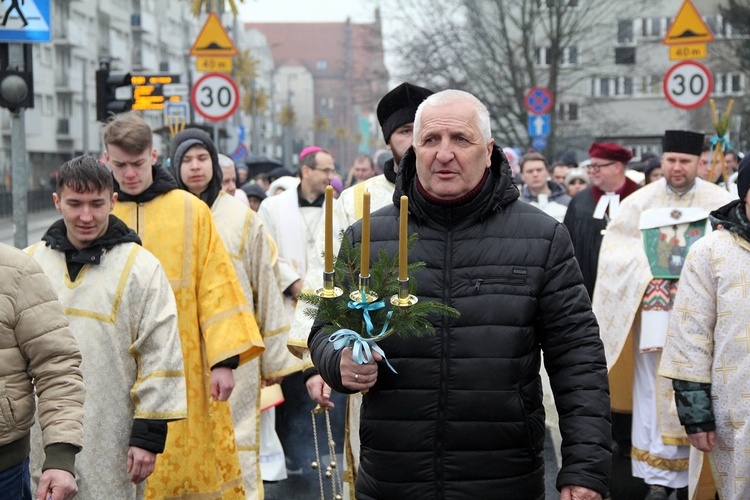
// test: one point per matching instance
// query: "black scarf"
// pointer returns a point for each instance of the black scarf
(117, 233)
(163, 183)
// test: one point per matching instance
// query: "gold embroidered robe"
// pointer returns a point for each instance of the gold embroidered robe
(123, 315)
(709, 342)
(622, 278)
(200, 459)
(253, 253)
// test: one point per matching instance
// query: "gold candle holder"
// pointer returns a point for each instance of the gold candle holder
(329, 290)
(403, 298)
(364, 288)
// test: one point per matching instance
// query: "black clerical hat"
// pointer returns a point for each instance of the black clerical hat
(399, 106)
(682, 141)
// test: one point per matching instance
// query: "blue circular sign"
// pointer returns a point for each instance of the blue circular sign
(539, 142)
(539, 100)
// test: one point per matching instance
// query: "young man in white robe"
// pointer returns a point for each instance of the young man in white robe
(707, 353)
(640, 260)
(197, 168)
(123, 315)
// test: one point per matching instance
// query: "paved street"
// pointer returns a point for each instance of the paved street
(37, 224)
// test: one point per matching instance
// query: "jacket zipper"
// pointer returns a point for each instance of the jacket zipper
(444, 355)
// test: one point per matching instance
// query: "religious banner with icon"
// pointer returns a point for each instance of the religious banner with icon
(668, 234)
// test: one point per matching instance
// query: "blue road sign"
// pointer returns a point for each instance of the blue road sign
(25, 21)
(538, 125)
(539, 142)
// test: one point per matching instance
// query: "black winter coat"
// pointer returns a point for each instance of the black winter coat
(463, 418)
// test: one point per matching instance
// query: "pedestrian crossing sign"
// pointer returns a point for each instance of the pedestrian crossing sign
(25, 21)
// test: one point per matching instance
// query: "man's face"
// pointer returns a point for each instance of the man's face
(704, 166)
(534, 174)
(606, 174)
(680, 170)
(254, 203)
(451, 154)
(316, 179)
(228, 180)
(559, 172)
(196, 169)
(86, 215)
(400, 141)
(732, 162)
(132, 172)
(363, 170)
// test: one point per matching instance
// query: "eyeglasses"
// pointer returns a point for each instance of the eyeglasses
(326, 171)
(595, 168)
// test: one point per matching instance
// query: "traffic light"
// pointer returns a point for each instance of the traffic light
(16, 87)
(107, 102)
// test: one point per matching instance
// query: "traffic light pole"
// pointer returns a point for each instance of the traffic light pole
(19, 167)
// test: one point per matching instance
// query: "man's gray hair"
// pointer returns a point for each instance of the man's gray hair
(225, 161)
(451, 96)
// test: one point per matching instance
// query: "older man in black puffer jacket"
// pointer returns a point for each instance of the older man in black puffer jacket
(463, 418)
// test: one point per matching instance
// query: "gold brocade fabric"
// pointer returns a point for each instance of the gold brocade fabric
(709, 342)
(200, 459)
(122, 313)
(624, 273)
(251, 248)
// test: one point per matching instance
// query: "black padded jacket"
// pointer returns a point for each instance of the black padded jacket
(464, 418)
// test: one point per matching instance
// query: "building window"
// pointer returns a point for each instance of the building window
(562, 3)
(321, 64)
(654, 27)
(624, 55)
(568, 112)
(624, 31)
(543, 56)
(729, 84)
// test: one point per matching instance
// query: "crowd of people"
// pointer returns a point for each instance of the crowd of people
(154, 344)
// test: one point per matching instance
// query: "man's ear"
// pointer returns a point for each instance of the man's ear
(56, 199)
(490, 147)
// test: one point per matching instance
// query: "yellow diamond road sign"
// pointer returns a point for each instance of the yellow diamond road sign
(688, 27)
(213, 40)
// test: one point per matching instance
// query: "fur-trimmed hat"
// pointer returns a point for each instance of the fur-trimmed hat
(683, 141)
(399, 106)
(610, 151)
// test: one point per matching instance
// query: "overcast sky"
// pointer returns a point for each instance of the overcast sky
(295, 11)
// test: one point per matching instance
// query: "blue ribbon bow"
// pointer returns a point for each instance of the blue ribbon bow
(726, 145)
(361, 347)
(366, 307)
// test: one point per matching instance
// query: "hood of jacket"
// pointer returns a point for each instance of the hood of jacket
(117, 233)
(557, 193)
(498, 191)
(180, 145)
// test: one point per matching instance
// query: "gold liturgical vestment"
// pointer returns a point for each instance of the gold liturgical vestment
(622, 279)
(709, 342)
(200, 459)
(253, 254)
(123, 315)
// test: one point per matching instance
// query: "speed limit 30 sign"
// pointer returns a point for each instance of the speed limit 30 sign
(215, 96)
(688, 84)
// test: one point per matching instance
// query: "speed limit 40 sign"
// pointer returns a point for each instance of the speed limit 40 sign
(215, 96)
(688, 84)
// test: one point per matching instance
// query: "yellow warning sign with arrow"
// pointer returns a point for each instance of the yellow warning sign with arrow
(213, 40)
(688, 27)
